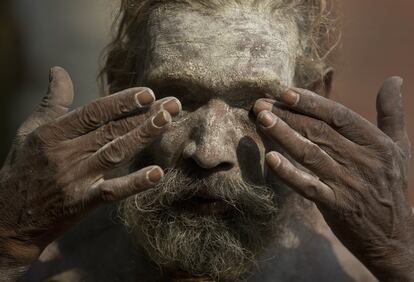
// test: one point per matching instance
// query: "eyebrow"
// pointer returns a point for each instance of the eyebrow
(246, 88)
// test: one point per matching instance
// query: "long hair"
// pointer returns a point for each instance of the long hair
(317, 22)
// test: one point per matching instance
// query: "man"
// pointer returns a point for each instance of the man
(221, 183)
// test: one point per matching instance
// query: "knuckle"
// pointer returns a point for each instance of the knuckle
(124, 107)
(127, 124)
(108, 194)
(316, 130)
(287, 116)
(340, 117)
(311, 155)
(107, 133)
(384, 148)
(312, 191)
(92, 115)
(36, 137)
(40, 137)
(124, 102)
(144, 134)
(112, 155)
(309, 101)
(393, 173)
(386, 142)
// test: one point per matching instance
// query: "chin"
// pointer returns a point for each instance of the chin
(213, 228)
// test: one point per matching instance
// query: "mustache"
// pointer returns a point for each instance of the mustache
(220, 247)
(177, 187)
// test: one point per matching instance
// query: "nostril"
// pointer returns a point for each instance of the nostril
(224, 166)
(210, 166)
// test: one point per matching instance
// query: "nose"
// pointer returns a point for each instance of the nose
(212, 144)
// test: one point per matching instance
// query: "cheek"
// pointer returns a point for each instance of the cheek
(247, 144)
(168, 149)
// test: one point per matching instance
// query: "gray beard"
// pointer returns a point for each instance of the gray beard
(222, 248)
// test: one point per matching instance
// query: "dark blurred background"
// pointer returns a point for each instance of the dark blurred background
(378, 42)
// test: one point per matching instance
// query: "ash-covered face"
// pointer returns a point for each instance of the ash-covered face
(217, 206)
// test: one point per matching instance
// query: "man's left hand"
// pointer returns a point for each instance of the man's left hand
(356, 172)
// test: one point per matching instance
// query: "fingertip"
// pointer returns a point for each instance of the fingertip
(262, 105)
(154, 174)
(389, 97)
(267, 119)
(161, 119)
(397, 80)
(173, 106)
(55, 70)
(61, 88)
(290, 97)
(391, 86)
(57, 74)
(273, 160)
(144, 97)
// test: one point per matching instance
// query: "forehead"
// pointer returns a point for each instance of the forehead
(221, 47)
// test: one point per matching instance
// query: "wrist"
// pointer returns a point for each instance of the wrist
(396, 263)
(16, 255)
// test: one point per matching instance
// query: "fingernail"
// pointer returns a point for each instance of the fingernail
(273, 159)
(290, 97)
(161, 119)
(155, 175)
(262, 105)
(267, 119)
(173, 106)
(145, 97)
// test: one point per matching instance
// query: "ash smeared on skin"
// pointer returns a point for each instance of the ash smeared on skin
(236, 44)
(240, 56)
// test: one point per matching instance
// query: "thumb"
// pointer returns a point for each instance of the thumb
(59, 96)
(55, 103)
(390, 112)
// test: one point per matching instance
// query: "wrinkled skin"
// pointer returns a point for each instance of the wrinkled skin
(358, 177)
(55, 173)
(354, 171)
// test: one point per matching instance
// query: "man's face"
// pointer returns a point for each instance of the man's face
(215, 208)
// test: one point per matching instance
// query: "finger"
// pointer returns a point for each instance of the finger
(348, 123)
(120, 188)
(55, 103)
(319, 132)
(60, 94)
(114, 129)
(301, 149)
(303, 183)
(123, 148)
(391, 114)
(101, 111)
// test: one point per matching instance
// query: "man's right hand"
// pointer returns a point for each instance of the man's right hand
(54, 174)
